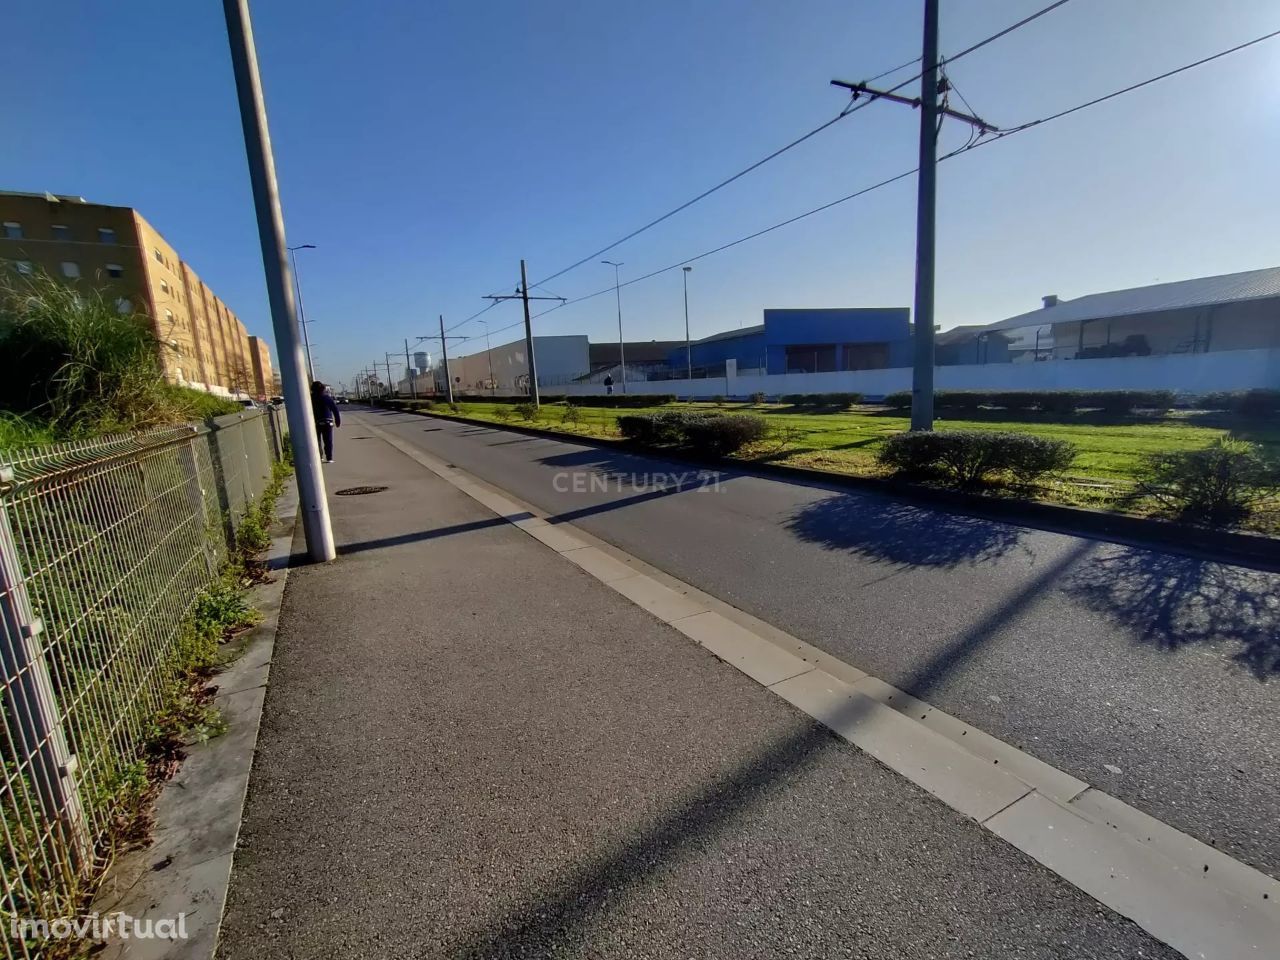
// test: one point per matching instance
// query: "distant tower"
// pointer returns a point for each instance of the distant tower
(422, 360)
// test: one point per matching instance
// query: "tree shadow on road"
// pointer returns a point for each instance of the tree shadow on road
(1172, 601)
(890, 531)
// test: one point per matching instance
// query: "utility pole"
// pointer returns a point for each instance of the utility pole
(392, 388)
(444, 352)
(413, 389)
(926, 224)
(931, 114)
(622, 350)
(523, 294)
(284, 317)
(688, 346)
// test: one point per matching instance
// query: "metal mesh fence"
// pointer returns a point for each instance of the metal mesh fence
(104, 545)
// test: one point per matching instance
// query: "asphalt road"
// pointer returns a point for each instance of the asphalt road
(1152, 675)
(472, 748)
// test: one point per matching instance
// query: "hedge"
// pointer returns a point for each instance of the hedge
(1114, 402)
(834, 401)
(717, 433)
(1248, 403)
(967, 458)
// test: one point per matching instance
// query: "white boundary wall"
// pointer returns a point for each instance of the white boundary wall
(1183, 373)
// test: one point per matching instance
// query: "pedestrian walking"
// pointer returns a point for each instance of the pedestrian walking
(325, 411)
(608, 384)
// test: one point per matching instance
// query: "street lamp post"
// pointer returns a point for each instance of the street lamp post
(302, 314)
(488, 353)
(622, 350)
(688, 347)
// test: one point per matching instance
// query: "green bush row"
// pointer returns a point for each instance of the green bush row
(715, 433)
(1249, 403)
(834, 401)
(1045, 401)
(968, 458)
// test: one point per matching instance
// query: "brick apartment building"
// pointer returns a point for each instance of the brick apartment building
(201, 342)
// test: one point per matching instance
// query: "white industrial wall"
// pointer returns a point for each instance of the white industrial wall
(1184, 373)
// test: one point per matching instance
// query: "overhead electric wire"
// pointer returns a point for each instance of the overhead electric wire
(1129, 89)
(850, 109)
(906, 173)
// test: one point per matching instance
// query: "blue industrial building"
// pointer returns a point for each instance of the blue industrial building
(807, 341)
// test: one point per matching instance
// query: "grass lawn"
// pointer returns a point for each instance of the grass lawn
(1105, 474)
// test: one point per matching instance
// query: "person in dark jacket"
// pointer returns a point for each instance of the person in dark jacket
(325, 411)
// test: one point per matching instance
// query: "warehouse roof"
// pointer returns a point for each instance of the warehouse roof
(1202, 292)
(733, 334)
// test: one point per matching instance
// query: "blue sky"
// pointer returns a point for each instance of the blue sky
(425, 147)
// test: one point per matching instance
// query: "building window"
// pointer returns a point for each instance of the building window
(164, 286)
(159, 256)
(13, 230)
(70, 269)
(60, 231)
(115, 270)
(106, 235)
(124, 305)
(23, 267)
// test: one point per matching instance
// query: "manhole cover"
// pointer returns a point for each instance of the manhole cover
(357, 491)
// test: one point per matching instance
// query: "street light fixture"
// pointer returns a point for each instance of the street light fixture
(622, 350)
(688, 347)
(302, 315)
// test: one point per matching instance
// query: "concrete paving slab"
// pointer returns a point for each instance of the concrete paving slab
(757, 658)
(960, 780)
(1170, 903)
(1046, 779)
(598, 563)
(663, 602)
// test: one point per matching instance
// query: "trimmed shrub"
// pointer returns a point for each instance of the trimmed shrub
(725, 434)
(758, 397)
(967, 458)
(899, 401)
(571, 414)
(716, 433)
(663, 427)
(527, 411)
(1218, 484)
(719, 400)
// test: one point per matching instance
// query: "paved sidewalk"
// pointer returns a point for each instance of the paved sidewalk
(471, 747)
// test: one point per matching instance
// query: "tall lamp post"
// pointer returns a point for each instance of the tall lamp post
(688, 347)
(622, 350)
(302, 314)
(488, 353)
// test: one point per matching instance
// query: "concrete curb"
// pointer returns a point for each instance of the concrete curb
(1182, 891)
(1224, 546)
(187, 868)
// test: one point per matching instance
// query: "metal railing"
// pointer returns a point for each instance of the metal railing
(104, 546)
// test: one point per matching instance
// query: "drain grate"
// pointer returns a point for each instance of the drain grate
(357, 491)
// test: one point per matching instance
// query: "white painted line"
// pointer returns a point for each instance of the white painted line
(756, 657)
(1165, 899)
(929, 760)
